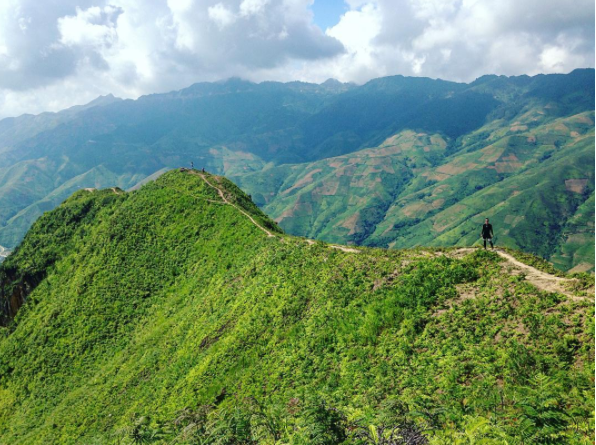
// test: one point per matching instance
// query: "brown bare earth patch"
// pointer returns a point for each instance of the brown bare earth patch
(531, 139)
(372, 169)
(452, 169)
(345, 170)
(435, 176)
(388, 168)
(297, 209)
(440, 189)
(510, 158)
(390, 140)
(327, 188)
(356, 160)
(387, 280)
(581, 267)
(351, 223)
(306, 179)
(415, 208)
(582, 119)
(507, 167)
(437, 203)
(519, 128)
(491, 154)
(344, 249)
(439, 141)
(578, 238)
(462, 252)
(576, 185)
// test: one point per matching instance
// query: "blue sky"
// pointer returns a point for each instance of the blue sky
(327, 12)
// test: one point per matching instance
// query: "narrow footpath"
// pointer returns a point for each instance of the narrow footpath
(542, 280)
(225, 200)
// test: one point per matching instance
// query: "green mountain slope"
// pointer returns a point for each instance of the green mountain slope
(168, 315)
(532, 174)
(238, 128)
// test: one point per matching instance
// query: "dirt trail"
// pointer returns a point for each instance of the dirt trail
(344, 249)
(311, 242)
(224, 199)
(542, 280)
(269, 234)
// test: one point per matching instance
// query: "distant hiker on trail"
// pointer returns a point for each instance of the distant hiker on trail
(192, 165)
(203, 169)
(487, 233)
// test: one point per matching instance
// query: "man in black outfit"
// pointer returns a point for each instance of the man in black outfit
(487, 233)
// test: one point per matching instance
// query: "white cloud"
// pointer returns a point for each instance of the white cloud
(94, 26)
(180, 6)
(559, 56)
(252, 7)
(460, 39)
(357, 28)
(65, 52)
(221, 15)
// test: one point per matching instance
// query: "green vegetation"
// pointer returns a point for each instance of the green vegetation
(166, 316)
(533, 176)
(397, 162)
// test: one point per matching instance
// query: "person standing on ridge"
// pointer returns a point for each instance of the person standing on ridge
(487, 233)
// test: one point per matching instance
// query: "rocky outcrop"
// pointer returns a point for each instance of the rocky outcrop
(15, 287)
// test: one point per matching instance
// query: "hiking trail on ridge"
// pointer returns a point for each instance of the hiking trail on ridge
(542, 280)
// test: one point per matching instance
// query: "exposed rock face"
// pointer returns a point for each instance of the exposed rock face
(14, 290)
(49, 238)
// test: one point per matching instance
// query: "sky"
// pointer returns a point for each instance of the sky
(59, 53)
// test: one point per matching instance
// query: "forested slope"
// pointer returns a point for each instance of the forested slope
(167, 315)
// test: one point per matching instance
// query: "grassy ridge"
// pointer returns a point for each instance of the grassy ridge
(170, 318)
(238, 127)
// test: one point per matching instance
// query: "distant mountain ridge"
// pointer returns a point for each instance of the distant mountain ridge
(243, 129)
(536, 184)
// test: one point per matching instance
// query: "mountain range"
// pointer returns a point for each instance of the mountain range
(179, 313)
(397, 162)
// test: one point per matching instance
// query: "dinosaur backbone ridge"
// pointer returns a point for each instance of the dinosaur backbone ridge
(180, 313)
(398, 162)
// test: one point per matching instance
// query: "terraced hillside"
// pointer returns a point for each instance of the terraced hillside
(180, 313)
(532, 176)
(270, 136)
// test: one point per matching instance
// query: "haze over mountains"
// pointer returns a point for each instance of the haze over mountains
(396, 162)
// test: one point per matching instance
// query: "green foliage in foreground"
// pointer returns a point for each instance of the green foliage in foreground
(170, 318)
